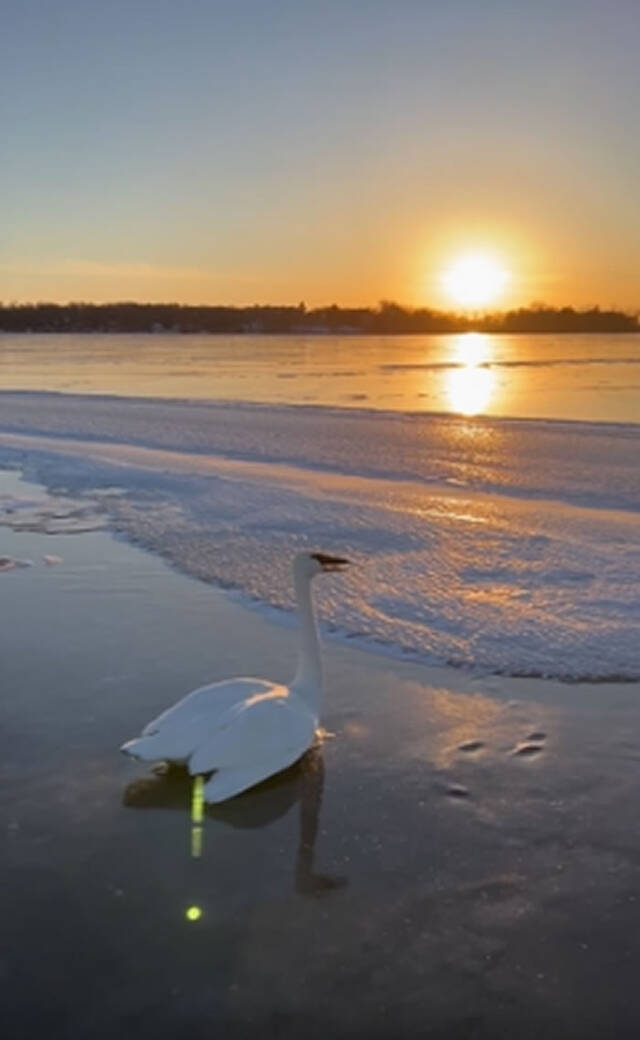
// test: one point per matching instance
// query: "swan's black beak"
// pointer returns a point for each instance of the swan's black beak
(331, 563)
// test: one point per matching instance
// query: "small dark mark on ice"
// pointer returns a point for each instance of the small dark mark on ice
(52, 560)
(537, 736)
(528, 748)
(471, 745)
(458, 791)
(7, 564)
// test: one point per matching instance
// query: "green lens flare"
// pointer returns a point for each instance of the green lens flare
(193, 913)
(196, 842)
(197, 816)
(197, 800)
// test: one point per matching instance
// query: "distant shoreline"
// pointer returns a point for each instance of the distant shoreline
(314, 333)
(386, 319)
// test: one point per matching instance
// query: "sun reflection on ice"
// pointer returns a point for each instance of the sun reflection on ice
(472, 384)
(472, 348)
(470, 389)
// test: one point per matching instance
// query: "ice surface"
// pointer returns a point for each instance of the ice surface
(586, 377)
(505, 546)
(53, 514)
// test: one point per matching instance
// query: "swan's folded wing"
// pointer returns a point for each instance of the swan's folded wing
(226, 783)
(276, 730)
(203, 705)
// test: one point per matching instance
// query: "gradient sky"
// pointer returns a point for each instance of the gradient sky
(285, 150)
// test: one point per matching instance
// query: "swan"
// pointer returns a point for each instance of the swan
(246, 729)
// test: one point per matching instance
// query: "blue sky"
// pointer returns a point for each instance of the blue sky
(278, 151)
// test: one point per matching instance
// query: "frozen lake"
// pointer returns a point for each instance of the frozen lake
(594, 378)
(420, 870)
(495, 544)
(488, 488)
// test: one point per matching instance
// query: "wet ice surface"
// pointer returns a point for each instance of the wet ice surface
(509, 547)
(34, 510)
(28, 507)
(590, 377)
(420, 877)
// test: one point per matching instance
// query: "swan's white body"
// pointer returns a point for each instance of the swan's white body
(245, 729)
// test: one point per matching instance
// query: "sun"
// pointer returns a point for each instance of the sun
(475, 280)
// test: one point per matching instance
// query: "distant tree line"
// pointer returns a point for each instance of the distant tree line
(386, 318)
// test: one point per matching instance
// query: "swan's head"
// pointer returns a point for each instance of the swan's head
(309, 564)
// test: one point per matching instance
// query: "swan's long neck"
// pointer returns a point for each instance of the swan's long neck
(307, 682)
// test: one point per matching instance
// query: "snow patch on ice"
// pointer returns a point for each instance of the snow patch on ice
(540, 579)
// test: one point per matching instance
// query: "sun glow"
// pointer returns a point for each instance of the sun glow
(475, 280)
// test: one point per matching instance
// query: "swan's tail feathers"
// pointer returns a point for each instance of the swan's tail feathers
(226, 783)
(143, 748)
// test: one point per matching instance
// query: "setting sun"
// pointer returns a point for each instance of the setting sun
(475, 280)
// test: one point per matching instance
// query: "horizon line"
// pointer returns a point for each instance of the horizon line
(468, 313)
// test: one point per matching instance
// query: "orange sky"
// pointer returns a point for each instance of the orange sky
(343, 154)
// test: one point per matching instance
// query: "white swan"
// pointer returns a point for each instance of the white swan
(246, 729)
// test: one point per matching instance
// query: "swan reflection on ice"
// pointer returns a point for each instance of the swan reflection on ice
(172, 788)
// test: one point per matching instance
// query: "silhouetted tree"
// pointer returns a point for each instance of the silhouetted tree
(387, 318)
